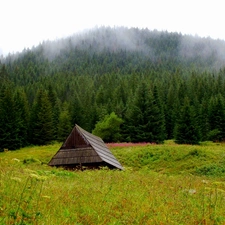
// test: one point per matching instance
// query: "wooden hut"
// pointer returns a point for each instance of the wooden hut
(83, 149)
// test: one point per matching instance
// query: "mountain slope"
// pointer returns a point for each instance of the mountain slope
(103, 50)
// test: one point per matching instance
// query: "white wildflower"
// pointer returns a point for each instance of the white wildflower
(192, 191)
(205, 182)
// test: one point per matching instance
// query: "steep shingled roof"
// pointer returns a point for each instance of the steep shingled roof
(82, 147)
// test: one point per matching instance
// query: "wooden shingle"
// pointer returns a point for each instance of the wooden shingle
(82, 148)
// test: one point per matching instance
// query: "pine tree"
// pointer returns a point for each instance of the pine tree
(55, 105)
(4, 76)
(136, 119)
(145, 120)
(156, 118)
(217, 118)
(9, 120)
(203, 120)
(77, 111)
(186, 129)
(41, 131)
(64, 126)
(171, 108)
(22, 112)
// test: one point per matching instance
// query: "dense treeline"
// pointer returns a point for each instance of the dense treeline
(158, 87)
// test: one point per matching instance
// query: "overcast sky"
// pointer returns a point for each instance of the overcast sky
(26, 23)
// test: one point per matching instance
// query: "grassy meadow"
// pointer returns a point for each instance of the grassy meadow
(161, 184)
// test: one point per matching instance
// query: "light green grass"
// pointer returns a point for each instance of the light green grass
(161, 184)
(205, 159)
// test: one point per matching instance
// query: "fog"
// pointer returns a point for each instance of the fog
(152, 44)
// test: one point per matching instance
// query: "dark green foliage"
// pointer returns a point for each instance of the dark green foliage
(186, 129)
(22, 113)
(211, 170)
(41, 124)
(137, 118)
(171, 109)
(203, 120)
(109, 128)
(31, 160)
(144, 79)
(157, 118)
(10, 121)
(145, 121)
(77, 111)
(55, 105)
(217, 118)
(64, 125)
(4, 76)
(55, 118)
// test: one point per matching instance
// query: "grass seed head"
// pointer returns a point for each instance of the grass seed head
(17, 179)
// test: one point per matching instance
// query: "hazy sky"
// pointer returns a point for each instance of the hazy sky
(26, 23)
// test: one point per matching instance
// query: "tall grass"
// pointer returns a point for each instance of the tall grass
(205, 159)
(155, 188)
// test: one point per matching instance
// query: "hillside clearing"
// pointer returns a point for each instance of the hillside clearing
(161, 184)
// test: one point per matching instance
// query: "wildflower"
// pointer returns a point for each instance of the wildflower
(205, 182)
(192, 191)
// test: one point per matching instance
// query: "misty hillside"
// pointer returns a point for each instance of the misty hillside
(155, 85)
(153, 46)
(105, 49)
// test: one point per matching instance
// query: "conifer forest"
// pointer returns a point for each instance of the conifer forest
(123, 84)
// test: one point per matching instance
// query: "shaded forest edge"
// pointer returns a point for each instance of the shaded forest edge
(125, 85)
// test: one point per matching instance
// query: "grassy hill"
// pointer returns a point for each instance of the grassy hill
(161, 184)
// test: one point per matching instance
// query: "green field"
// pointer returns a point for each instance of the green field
(161, 184)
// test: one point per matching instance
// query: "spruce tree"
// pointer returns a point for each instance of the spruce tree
(22, 115)
(156, 117)
(77, 110)
(41, 131)
(65, 125)
(145, 120)
(204, 119)
(55, 105)
(186, 129)
(217, 118)
(4, 76)
(171, 109)
(9, 120)
(136, 119)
